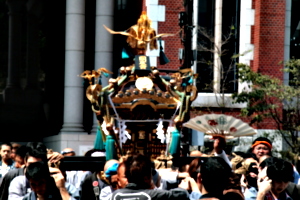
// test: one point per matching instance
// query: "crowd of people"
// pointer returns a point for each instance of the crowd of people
(33, 172)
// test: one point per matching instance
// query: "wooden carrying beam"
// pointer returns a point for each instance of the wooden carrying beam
(93, 164)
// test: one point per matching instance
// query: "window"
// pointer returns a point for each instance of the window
(295, 35)
(226, 79)
(295, 30)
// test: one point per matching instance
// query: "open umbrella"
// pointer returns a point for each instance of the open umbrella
(220, 125)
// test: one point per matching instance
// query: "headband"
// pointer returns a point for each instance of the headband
(262, 142)
(65, 152)
(98, 154)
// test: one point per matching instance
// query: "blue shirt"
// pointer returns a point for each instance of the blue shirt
(195, 195)
(3, 170)
(250, 193)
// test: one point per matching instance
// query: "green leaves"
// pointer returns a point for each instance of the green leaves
(270, 98)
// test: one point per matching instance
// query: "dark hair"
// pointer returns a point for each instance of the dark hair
(234, 181)
(40, 170)
(15, 146)
(215, 173)
(36, 154)
(262, 139)
(22, 151)
(137, 168)
(6, 144)
(279, 169)
(194, 167)
(39, 146)
(37, 171)
(267, 162)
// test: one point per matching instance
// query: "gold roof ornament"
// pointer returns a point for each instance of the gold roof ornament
(90, 75)
(93, 91)
(141, 34)
(87, 74)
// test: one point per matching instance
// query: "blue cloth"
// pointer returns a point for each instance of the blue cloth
(106, 192)
(195, 195)
(72, 190)
(296, 175)
(3, 171)
(112, 170)
(19, 187)
(250, 193)
(10, 166)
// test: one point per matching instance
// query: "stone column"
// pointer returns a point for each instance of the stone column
(103, 40)
(34, 7)
(218, 46)
(13, 89)
(32, 92)
(74, 61)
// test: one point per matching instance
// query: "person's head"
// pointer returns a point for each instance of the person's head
(194, 168)
(39, 146)
(5, 151)
(38, 176)
(20, 156)
(90, 153)
(15, 147)
(279, 171)
(261, 146)
(108, 164)
(34, 155)
(266, 163)
(68, 152)
(110, 171)
(215, 173)
(122, 180)
(212, 173)
(195, 153)
(138, 170)
(98, 153)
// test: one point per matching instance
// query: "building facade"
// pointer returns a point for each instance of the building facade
(46, 45)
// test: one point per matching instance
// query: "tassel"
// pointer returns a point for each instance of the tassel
(110, 148)
(126, 53)
(159, 131)
(99, 141)
(162, 57)
(175, 143)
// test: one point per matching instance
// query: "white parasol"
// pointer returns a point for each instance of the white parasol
(220, 125)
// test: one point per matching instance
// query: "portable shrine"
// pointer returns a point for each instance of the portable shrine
(141, 110)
